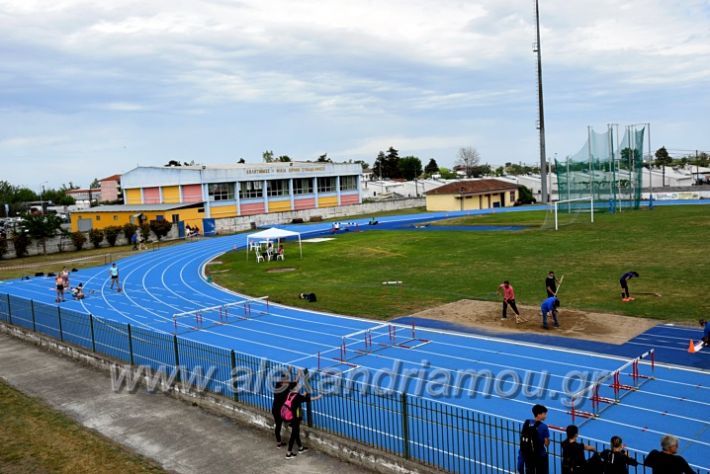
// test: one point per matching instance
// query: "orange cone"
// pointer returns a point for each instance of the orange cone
(691, 347)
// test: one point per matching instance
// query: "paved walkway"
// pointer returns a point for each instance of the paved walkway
(177, 436)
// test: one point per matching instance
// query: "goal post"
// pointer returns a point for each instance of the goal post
(571, 206)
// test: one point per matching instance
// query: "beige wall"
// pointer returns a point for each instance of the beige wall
(450, 202)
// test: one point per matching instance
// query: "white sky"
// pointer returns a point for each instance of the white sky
(89, 89)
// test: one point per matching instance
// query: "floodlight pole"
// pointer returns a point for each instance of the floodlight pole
(544, 192)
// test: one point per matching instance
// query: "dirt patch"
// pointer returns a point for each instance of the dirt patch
(280, 270)
(602, 327)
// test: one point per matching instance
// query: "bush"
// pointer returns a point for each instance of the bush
(96, 236)
(112, 233)
(78, 239)
(3, 246)
(20, 241)
(145, 231)
(129, 230)
(525, 195)
(160, 228)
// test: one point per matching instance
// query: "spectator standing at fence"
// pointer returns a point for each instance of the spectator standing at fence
(113, 272)
(293, 403)
(573, 459)
(281, 391)
(667, 461)
(616, 460)
(534, 440)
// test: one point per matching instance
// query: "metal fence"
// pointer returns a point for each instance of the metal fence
(434, 433)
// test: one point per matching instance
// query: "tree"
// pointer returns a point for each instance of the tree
(241, 161)
(112, 233)
(3, 244)
(173, 163)
(324, 158)
(41, 227)
(95, 184)
(481, 170)
(96, 236)
(361, 163)
(392, 164)
(78, 239)
(379, 167)
(284, 159)
(525, 195)
(268, 156)
(467, 158)
(128, 230)
(160, 228)
(24, 195)
(20, 240)
(410, 167)
(446, 173)
(663, 159)
(431, 167)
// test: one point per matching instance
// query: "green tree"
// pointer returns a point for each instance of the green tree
(145, 231)
(96, 236)
(112, 232)
(379, 166)
(160, 228)
(392, 164)
(20, 240)
(173, 163)
(410, 167)
(431, 168)
(663, 159)
(324, 158)
(128, 230)
(481, 170)
(95, 184)
(525, 195)
(446, 173)
(268, 156)
(41, 227)
(284, 159)
(241, 161)
(3, 245)
(78, 239)
(24, 195)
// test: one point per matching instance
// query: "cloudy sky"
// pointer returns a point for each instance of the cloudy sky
(92, 88)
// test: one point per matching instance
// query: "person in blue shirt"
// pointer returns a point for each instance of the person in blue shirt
(537, 463)
(706, 332)
(549, 307)
(623, 281)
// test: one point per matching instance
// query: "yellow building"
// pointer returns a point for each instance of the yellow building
(117, 215)
(472, 194)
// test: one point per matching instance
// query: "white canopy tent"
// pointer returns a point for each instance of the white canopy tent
(273, 234)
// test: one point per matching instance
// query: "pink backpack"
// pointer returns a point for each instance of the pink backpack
(286, 412)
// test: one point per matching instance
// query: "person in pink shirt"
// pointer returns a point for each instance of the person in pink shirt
(509, 300)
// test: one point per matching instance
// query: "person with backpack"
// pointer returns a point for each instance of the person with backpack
(534, 440)
(292, 413)
(616, 460)
(573, 459)
(281, 390)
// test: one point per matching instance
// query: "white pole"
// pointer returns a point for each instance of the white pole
(592, 198)
(556, 228)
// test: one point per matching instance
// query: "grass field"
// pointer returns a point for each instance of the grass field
(36, 439)
(667, 246)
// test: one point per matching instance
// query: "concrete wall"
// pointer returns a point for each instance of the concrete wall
(235, 224)
(64, 244)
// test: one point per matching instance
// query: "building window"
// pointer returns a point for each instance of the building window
(326, 185)
(348, 183)
(512, 196)
(221, 191)
(277, 187)
(251, 189)
(115, 218)
(98, 217)
(303, 186)
(176, 218)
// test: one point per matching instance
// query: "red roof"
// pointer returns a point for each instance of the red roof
(474, 186)
(115, 177)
